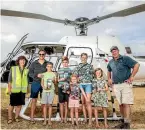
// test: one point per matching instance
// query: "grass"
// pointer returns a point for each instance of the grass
(137, 115)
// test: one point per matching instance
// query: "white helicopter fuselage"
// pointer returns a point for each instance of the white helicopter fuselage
(100, 46)
(97, 48)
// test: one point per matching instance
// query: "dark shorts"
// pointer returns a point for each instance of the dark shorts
(35, 89)
(63, 97)
(17, 99)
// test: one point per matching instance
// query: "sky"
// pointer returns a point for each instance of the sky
(130, 29)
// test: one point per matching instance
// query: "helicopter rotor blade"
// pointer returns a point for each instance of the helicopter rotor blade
(122, 13)
(5, 12)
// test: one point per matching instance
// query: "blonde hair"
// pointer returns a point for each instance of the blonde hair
(74, 75)
(84, 54)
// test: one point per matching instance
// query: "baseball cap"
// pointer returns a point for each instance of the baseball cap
(113, 48)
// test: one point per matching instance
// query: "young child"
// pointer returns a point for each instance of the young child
(74, 98)
(99, 96)
(64, 74)
(47, 83)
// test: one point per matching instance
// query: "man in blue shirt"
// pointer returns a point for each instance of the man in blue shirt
(120, 77)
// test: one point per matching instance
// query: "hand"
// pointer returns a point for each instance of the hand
(9, 91)
(62, 79)
(99, 90)
(130, 80)
(94, 91)
(110, 82)
(40, 75)
(68, 92)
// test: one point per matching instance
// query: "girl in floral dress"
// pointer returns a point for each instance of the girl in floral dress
(99, 96)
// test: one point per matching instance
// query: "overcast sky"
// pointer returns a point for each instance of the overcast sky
(130, 30)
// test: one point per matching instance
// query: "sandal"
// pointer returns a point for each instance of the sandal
(84, 122)
(49, 123)
(32, 121)
(45, 123)
(17, 119)
(10, 121)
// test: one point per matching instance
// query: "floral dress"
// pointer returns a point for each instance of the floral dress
(99, 97)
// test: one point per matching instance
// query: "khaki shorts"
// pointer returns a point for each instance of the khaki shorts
(123, 93)
(47, 97)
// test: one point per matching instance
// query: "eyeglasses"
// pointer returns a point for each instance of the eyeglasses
(41, 54)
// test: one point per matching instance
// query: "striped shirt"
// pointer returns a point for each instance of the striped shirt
(64, 73)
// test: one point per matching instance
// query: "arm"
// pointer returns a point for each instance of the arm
(134, 71)
(109, 78)
(31, 71)
(42, 83)
(106, 87)
(10, 82)
(132, 64)
(109, 75)
(55, 78)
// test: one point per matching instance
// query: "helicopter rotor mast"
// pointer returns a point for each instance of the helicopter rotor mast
(80, 23)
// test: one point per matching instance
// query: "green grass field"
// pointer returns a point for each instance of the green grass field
(138, 115)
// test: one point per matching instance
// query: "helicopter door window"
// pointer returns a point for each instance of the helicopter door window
(74, 55)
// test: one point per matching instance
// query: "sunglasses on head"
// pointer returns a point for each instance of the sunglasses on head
(41, 54)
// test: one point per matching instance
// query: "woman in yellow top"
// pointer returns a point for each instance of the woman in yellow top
(17, 87)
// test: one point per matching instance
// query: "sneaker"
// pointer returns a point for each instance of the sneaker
(126, 126)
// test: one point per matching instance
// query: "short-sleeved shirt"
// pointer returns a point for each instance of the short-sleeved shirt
(74, 91)
(121, 68)
(85, 72)
(64, 73)
(48, 78)
(98, 84)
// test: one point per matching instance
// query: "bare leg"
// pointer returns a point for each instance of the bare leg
(121, 110)
(18, 109)
(61, 111)
(50, 113)
(105, 117)
(72, 115)
(66, 110)
(76, 115)
(127, 111)
(84, 108)
(44, 113)
(96, 117)
(89, 106)
(10, 110)
(33, 107)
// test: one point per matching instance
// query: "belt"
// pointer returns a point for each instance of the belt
(118, 82)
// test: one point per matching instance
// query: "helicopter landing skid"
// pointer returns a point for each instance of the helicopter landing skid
(57, 118)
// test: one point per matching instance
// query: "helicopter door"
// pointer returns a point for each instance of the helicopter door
(74, 55)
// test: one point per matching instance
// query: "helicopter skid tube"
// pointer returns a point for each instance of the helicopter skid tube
(57, 118)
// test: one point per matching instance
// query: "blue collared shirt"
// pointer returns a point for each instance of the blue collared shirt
(121, 68)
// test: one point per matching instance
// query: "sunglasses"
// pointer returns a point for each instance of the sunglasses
(41, 54)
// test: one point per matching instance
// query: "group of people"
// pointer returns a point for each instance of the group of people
(84, 83)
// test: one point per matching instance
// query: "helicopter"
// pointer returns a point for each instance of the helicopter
(97, 47)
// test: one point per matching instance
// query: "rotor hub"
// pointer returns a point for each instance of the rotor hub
(81, 20)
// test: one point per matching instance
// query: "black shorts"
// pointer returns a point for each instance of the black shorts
(63, 97)
(17, 99)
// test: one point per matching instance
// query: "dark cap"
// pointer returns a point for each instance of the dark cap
(113, 48)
